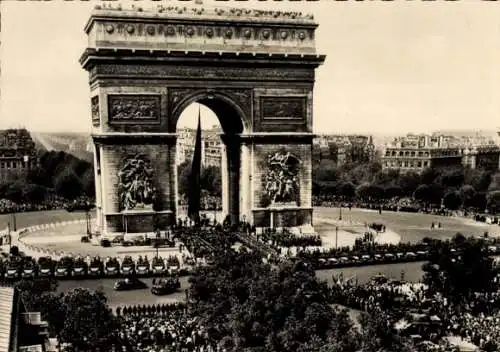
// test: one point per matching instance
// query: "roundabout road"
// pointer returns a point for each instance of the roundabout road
(411, 227)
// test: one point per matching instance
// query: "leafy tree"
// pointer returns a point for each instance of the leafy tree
(495, 182)
(363, 191)
(34, 193)
(457, 277)
(326, 171)
(392, 191)
(429, 176)
(347, 190)
(467, 194)
(14, 192)
(422, 193)
(88, 183)
(88, 321)
(211, 180)
(452, 200)
(68, 185)
(451, 178)
(409, 182)
(38, 295)
(493, 199)
(251, 305)
(378, 334)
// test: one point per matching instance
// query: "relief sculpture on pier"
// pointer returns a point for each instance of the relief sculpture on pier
(282, 179)
(136, 189)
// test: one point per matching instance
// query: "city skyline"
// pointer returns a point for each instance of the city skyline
(390, 68)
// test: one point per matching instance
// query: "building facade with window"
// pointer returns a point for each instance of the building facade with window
(211, 146)
(343, 149)
(417, 152)
(17, 154)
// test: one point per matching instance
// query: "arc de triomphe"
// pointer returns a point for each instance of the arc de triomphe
(254, 69)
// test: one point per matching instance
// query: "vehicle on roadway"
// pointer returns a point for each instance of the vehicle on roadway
(143, 267)
(173, 264)
(96, 268)
(165, 286)
(158, 266)
(45, 267)
(129, 283)
(111, 267)
(128, 266)
(64, 267)
(29, 270)
(13, 268)
(80, 268)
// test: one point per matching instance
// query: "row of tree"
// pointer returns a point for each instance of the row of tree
(456, 187)
(58, 174)
(210, 179)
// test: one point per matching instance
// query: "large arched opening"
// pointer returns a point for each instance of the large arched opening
(220, 145)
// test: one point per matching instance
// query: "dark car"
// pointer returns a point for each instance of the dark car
(45, 267)
(13, 268)
(105, 243)
(111, 267)
(64, 267)
(165, 286)
(128, 266)
(96, 267)
(142, 267)
(29, 270)
(158, 266)
(129, 283)
(79, 268)
(173, 264)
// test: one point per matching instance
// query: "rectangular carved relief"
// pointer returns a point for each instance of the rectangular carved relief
(283, 108)
(94, 103)
(134, 108)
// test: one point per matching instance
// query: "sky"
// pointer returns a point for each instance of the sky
(391, 67)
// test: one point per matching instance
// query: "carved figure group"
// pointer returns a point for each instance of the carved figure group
(129, 108)
(136, 186)
(282, 177)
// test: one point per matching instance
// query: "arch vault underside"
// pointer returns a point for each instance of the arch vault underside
(254, 69)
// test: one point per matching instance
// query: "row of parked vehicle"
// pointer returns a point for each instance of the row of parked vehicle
(22, 267)
(381, 258)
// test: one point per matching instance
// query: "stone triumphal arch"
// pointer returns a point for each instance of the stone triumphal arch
(254, 69)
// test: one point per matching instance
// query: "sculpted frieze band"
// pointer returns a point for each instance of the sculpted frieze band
(181, 72)
(283, 108)
(133, 107)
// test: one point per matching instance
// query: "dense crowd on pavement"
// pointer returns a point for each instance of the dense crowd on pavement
(8, 206)
(165, 327)
(477, 322)
(402, 205)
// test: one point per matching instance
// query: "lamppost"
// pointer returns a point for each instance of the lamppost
(336, 236)
(215, 212)
(340, 212)
(87, 218)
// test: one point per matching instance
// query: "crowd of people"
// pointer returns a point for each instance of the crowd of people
(165, 327)
(8, 206)
(476, 322)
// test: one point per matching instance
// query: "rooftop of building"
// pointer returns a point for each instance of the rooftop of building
(6, 306)
(204, 12)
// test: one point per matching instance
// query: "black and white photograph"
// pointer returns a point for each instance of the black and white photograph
(249, 176)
